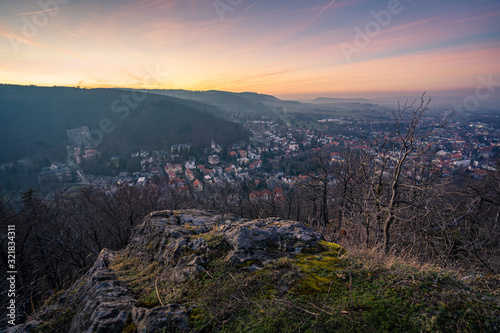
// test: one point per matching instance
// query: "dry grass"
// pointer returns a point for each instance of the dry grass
(374, 258)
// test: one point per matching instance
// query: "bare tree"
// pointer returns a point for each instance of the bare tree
(408, 149)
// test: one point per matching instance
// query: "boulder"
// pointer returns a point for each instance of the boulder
(181, 243)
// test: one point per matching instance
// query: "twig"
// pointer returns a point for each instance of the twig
(249, 300)
(320, 309)
(298, 307)
(201, 329)
(329, 289)
(157, 293)
(350, 289)
(402, 281)
(31, 297)
(314, 314)
(233, 277)
(207, 273)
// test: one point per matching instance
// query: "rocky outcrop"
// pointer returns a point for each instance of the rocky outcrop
(101, 302)
(182, 243)
(104, 304)
(165, 237)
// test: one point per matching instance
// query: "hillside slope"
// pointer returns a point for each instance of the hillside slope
(246, 102)
(34, 119)
(202, 272)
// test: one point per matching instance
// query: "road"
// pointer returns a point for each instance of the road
(80, 174)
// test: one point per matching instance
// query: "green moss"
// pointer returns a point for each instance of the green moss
(148, 298)
(319, 270)
(248, 263)
(281, 263)
(198, 318)
(131, 328)
(313, 283)
(53, 298)
(219, 247)
(332, 248)
(77, 288)
(214, 239)
(321, 290)
(139, 278)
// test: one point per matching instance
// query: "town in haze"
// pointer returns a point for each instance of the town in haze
(273, 157)
(249, 166)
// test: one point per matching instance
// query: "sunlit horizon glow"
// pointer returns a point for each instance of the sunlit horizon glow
(282, 48)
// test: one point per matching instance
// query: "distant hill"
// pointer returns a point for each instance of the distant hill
(35, 119)
(246, 102)
(257, 105)
(326, 100)
(266, 105)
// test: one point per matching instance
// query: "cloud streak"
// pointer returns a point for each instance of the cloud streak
(95, 44)
(324, 9)
(252, 6)
(40, 11)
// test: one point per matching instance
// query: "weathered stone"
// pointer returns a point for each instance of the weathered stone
(28, 327)
(269, 239)
(181, 243)
(187, 267)
(103, 303)
(157, 319)
(168, 236)
(198, 244)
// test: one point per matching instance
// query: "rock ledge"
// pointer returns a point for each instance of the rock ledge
(181, 242)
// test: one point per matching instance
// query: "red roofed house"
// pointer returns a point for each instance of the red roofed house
(189, 175)
(198, 186)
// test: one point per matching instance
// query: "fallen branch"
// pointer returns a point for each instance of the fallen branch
(320, 309)
(298, 307)
(157, 293)
(207, 273)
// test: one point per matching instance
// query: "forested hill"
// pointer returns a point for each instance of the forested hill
(247, 102)
(35, 119)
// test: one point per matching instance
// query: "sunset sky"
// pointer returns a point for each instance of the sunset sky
(285, 48)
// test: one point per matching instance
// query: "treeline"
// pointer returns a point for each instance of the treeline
(57, 240)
